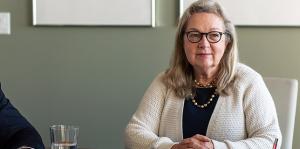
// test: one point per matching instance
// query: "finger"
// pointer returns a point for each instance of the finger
(201, 138)
(193, 145)
(180, 146)
(186, 141)
(190, 143)
(206, 145)
(184, 146)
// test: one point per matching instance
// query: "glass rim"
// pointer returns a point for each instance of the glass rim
(64, 126)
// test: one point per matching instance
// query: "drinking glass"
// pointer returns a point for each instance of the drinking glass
(63, 136)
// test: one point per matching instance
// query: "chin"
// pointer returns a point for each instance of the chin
(205, 64)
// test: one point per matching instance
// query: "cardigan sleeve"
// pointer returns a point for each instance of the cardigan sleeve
(142, 130)
(261, 119)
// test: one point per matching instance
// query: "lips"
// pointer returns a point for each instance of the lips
(204, 54)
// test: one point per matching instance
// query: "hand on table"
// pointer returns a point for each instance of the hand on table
(195, 142)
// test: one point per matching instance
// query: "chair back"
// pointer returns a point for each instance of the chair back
(284, 93)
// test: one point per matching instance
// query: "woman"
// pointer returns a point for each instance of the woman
(206, 99)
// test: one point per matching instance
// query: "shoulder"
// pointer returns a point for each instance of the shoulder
(157, 85)
(3, 99)
(158, 80)
(244, 70)
(246, 73)
(246, 76)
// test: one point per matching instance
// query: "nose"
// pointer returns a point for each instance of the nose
(203, 41)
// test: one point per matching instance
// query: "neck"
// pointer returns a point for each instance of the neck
(205, 77)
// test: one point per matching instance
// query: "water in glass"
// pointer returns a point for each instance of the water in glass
(63, 146)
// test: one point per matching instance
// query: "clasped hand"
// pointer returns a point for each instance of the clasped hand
(195, 142)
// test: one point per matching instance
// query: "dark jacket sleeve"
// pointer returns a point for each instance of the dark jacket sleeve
(15, 130)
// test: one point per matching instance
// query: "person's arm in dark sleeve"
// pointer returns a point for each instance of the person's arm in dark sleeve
(15, 130)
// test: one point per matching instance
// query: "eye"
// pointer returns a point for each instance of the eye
(214, 36)
(194, 34)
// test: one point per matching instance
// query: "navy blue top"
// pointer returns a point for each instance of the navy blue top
(15, 130)
(195, 119)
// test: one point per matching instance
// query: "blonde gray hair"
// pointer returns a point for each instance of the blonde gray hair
(180, 75)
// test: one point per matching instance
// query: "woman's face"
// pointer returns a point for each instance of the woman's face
(204, 55)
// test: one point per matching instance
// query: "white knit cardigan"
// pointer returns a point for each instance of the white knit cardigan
(244, 119)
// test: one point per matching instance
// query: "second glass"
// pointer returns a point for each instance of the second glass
(63, 136)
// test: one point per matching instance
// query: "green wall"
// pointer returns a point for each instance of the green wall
(94, 77)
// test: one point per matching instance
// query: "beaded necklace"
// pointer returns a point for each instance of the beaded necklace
(199, 85)
(205, 104)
